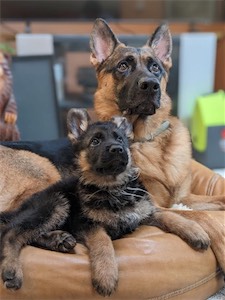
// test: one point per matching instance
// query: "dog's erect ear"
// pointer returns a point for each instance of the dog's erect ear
(161, 43)
(123, 124)
(102, 43)
(77, 123)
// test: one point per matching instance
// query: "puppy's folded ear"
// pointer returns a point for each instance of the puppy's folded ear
(123, 124)
(102, 42)
(161, 43)
(77, 123)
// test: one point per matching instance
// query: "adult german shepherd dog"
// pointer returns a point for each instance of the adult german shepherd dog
(132, 82)
(102, 200)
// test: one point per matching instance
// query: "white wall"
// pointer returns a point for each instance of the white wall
(196, 70)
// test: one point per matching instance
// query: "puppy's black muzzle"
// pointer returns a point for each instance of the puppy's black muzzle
(116, 149)
(113, 160)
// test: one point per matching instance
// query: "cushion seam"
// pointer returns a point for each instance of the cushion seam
(189, 287)
(212, 184)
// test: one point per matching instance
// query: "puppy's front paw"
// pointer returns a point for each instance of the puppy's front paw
(57, 240)
(12, 277)
(106, 282)
(66, 242)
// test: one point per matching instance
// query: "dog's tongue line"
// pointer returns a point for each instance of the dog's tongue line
(129, 111)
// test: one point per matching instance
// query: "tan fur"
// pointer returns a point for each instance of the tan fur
(188, 230)
(215, 230)
(22, 174)
(106, 106)
(104, 267)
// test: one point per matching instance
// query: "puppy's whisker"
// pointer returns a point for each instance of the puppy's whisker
(131, 195)
(113, 196)
(138, 189)
(134, 174)
(92, 195)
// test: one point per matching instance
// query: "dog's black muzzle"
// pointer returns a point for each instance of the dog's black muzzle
(113, 160)
(142, 98)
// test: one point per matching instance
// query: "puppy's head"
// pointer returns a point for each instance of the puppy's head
(103, 148)
(135, 78)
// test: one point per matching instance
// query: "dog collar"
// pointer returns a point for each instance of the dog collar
(163, 127)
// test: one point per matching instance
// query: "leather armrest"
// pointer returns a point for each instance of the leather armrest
(152, 265)
(206, 181)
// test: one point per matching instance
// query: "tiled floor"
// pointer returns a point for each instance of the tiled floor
(219, 296)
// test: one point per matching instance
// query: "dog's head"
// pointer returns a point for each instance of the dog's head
(103, 148)
(132, 79)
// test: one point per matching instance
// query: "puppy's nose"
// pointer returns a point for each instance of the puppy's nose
(116, 149)
(148, 85)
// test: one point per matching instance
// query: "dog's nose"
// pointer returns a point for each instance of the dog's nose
(148, 85)
(116, 149)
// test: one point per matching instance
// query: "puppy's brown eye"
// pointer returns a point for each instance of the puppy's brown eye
(123, 66)
(155, 68)
(95, 142)
(119, 139)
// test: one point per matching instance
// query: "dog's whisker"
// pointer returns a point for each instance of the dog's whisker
(92, 195)
(138, 189)
(135, 189)
(113, 196)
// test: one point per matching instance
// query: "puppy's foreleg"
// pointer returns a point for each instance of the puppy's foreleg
(190, 231)
(104, 267)
(41, 213)
(57, 240)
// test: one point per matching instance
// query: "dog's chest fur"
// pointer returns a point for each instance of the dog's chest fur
(119, 211)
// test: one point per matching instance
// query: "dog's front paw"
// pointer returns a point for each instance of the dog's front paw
(12, 277)
(106, 282)
(64, 241)
(198, 239)
(57, 240)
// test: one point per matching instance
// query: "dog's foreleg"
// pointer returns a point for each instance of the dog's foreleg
(214, 224)
(201, 202)
(42, 212)
(57, 240)
(188, 230)
(104, 267)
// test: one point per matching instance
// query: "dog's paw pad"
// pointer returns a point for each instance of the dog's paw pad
(12, 280)
(201, 244)
(67, 242)
(104, 289)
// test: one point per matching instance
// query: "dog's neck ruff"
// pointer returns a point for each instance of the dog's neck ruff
(108, 182)
(150, 137)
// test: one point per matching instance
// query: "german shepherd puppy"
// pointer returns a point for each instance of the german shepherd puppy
(132, 82)
(102, 201)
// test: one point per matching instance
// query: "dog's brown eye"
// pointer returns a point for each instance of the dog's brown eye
(95, 142)
(123, 67)
(119, 139)
(155, 68)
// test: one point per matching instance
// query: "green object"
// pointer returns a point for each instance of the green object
(209, 111)
(7, 49)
